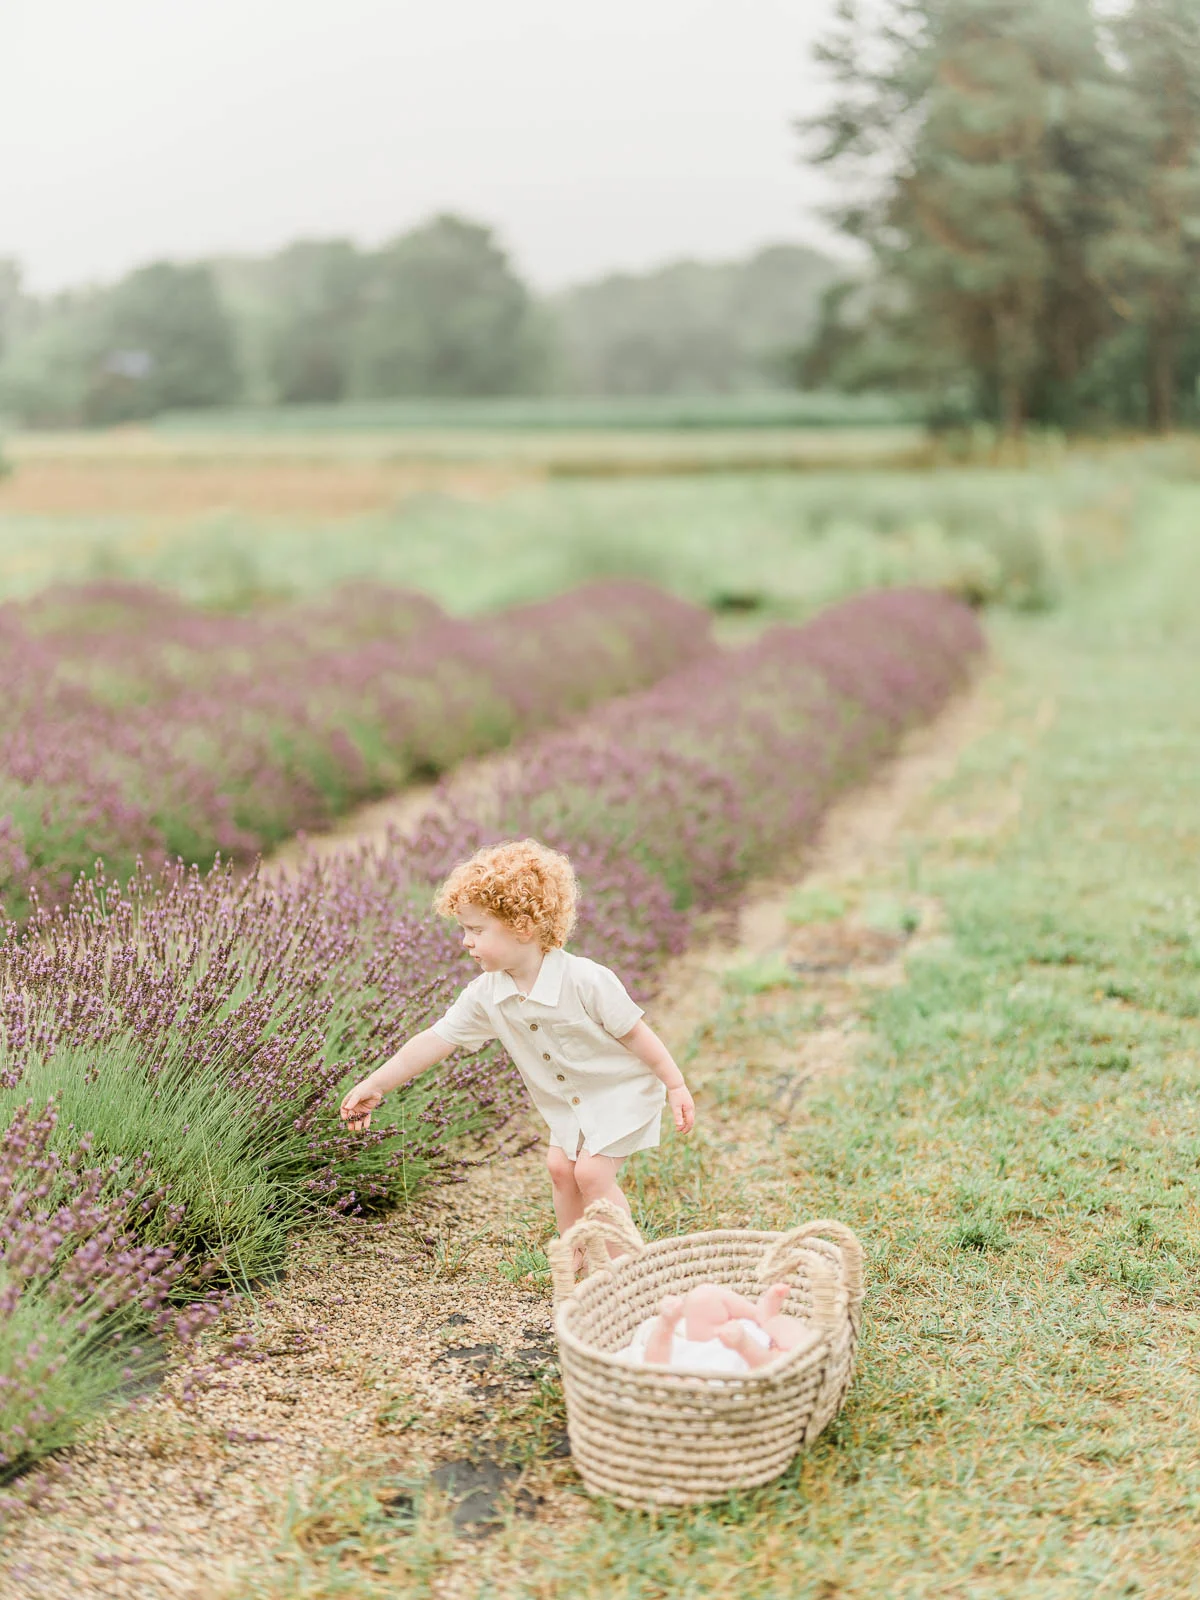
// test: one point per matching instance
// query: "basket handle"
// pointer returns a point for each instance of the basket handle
(602, 1224)
(834, 1292)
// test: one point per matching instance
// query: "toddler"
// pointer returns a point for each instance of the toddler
(594, 1070)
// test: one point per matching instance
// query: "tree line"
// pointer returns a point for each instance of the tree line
(1025, 175)
(438, 312)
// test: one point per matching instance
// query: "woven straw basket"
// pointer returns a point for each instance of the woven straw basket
(648, 1436)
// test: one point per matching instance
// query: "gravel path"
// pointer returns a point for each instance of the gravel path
(406, 1338)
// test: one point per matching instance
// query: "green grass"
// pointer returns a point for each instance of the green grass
(890, 915)
(808, 905)
(1020, 1153)
(769, 544)
(527, 1264)
(771, 409)
(756, 977)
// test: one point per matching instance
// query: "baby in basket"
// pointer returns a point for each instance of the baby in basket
(721, 1331)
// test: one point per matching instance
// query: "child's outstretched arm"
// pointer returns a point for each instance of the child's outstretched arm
(648, 1047)
(423, 1050)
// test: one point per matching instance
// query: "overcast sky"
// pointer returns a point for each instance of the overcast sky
(594, 134)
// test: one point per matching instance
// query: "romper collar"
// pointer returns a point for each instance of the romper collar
(547, 985)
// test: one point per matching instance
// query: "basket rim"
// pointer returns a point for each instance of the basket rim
(695, 1377)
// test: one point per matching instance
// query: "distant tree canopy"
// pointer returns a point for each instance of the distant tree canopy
(437, 312)
(693, 327)
(159, 339)
(316, 297)
(12, 302)
(168, 342)
(444, 314)
(1026, 174)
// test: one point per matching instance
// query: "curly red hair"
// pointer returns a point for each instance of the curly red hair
(526, 884)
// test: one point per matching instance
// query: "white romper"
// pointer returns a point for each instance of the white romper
(563, 1037)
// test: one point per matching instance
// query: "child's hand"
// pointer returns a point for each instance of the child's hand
(683, 1108)
(359, 1104)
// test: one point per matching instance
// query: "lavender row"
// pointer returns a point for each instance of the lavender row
(134, 725)
(194, 1022)
(671, 801)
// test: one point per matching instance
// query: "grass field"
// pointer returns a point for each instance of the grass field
(562, 413)
(1018, 1147)
(570, 450)
(238, 522)
(1019, 1151)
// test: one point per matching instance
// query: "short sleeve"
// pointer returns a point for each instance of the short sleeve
(467, 1024)
(606, 1000)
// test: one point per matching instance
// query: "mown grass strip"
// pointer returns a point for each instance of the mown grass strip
(1020, 1154)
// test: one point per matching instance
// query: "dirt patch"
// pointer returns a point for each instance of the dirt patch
(175, 489)
(838, 946)
(425, 1340)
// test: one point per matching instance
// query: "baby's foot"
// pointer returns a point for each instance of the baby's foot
(662, 1335)
(771, 1302)
(735, 1337)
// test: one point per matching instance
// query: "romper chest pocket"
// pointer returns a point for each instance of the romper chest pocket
(577, 1040)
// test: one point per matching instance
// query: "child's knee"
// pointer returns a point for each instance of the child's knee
(594, 1175)
(560, 1167)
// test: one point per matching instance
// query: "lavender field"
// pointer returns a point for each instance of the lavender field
(175, 1045)
(137, 726)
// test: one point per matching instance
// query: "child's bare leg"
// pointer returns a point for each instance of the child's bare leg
(596, 1179)
(568, 1202)
(662, 1335)
(737, 1338)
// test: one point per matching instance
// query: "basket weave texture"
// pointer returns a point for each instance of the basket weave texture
(648, 1436)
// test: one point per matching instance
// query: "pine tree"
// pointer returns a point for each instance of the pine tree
(981, 138)
(1151, 259)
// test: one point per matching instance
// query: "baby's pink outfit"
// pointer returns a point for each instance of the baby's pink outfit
(704, 1355)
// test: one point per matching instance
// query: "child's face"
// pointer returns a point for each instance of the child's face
(493, 943)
